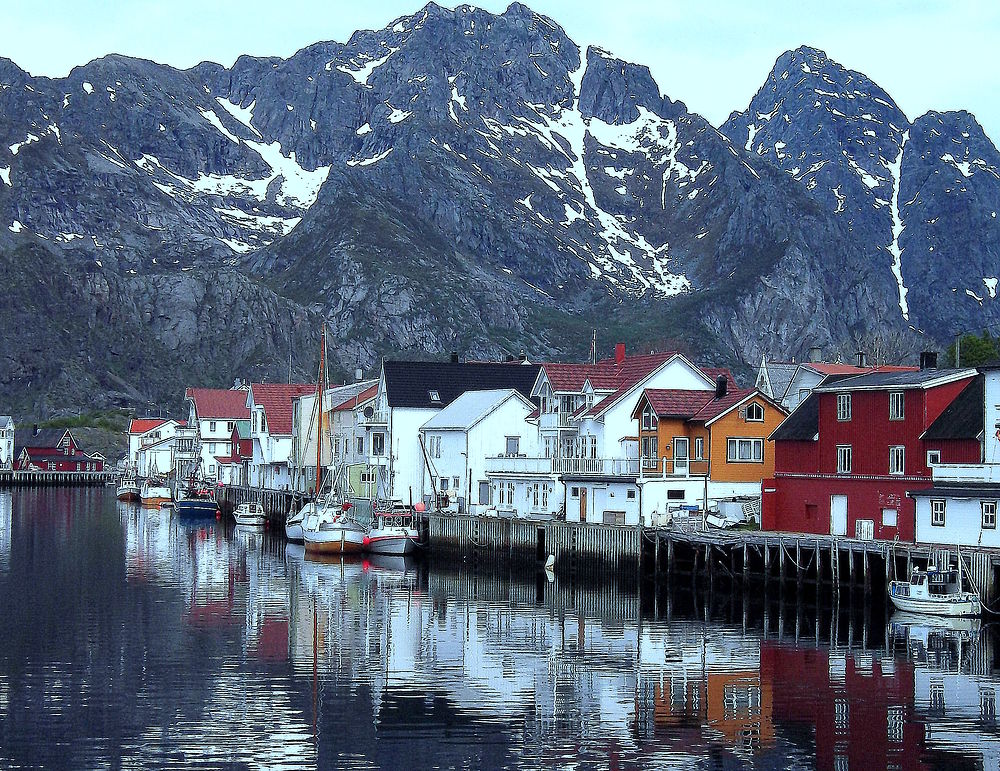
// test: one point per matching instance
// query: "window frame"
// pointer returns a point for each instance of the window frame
(699, 448)
(899, 449)
(507, 443)
(844, 407)
(983, 508)
(845, 451)
(938, 518)
(753, 442)
(758, 411)
(899, 414)
(933, 462)
(648, 418)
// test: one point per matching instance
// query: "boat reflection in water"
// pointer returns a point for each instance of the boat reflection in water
(230, 647)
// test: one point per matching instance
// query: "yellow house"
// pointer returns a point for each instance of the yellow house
(720, 435)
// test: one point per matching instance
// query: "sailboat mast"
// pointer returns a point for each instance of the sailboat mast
(319, 396)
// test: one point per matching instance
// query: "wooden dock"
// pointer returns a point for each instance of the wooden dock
(276, 503)
(9, 478)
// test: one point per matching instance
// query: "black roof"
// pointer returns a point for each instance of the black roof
(894, 378)
(956, 490)
(409, 383)
(802, 424)
(963, 418)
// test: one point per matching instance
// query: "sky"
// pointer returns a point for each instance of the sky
(712, 54)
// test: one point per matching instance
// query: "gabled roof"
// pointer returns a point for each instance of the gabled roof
(276, 400)
(409, 383)
(222, 403)
(142, 425)
(45, 438)
(354, 400)
(964, 417)
(472, 407)
(779, 374)
(6, 421)
(802, 425)
(896, 379)
(675, 402)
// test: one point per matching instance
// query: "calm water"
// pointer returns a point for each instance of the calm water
(129, 640)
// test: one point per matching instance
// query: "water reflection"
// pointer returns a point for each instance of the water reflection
(146, 641)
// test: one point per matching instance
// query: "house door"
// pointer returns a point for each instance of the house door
(484, 493)
(838, 515)
(583, 504)
(681, 455)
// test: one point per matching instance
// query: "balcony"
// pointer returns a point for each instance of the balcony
(518, 464)
(373, 418)
(186, 444)
(512, 464)
(667, 468)
(966, 473)
(552, 420)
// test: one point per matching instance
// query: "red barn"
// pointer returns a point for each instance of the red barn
(845, 458)
(51, 449)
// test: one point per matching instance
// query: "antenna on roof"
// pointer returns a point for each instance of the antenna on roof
(593, 348)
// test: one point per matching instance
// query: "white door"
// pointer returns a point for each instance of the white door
(838, 515)
(680, 455)
(864, 529)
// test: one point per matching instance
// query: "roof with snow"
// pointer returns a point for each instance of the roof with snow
(472, 407)
(411, 383)
(224, 403)
(276, 400)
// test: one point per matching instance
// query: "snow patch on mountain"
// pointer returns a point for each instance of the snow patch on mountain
(895, 171)
(361, 72)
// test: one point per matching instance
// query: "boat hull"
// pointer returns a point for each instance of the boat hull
(395, 545)
(250, 520)
(128, 494)
(293, 532)
(965, 605)
(154, 502)
(197, 507)
(339, 540)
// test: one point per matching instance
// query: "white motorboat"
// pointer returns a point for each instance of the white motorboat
(154, 493)
(250, 515)
(935, 592)
(393, 531)
(293, 525)
(328, 528)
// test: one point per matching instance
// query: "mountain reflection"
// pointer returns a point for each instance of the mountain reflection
(145, 641)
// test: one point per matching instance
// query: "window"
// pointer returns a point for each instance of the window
(574, 492)
(434, 446)
(212, 448)
(675, 495)
(533, 491)
(745, 450)
(230, 426)
(699, 448)
(513, 445)
(989, 515)
(630, 494)
(378, 444)
(896, 405)
(843, 459)
(897, 459)
(506, 493)
(890, 517)
(754, 413)
(211, 425)
(454, 483)
(444, 484)
(933, 457)
(434, 396)
(647, 447)
(843, 406)
(648, 418)
(937, 513)
(361, 445)
(336, 447)
(548, 447)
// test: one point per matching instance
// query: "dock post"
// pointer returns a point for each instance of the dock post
(670, 555)
(746, 566)
(798, 573)
(767, 563)
(850, 569)
(781, 562)
(867, 576)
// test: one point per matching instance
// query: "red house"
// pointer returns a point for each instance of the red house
(51, 449)
(845, 458)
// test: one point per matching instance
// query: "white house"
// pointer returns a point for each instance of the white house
(588, 454)
(270, 408)
(213, 412)
(960, 508)
(409, 394)
(6, 442)
(156, 457)
(144, 432)
(459, 438)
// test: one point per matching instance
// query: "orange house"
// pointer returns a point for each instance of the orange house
(721, 434)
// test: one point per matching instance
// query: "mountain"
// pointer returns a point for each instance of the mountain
(466, 181)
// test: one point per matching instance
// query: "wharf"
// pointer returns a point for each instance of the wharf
(276, 503)
(9, 478)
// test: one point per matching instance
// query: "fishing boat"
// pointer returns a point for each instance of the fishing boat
(250, 515)
(154, 492)
(935, 592)
(129, 488)
(331, 529)
(196, 500)
(393, 530)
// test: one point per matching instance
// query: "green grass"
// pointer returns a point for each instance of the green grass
(108, 420)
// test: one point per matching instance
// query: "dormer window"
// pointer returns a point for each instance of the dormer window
(755, 413)
(434, 396)
(648, 418)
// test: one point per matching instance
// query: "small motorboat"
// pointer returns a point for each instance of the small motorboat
(250, 515)
(153, 493)
(935, 592)
(393, 530)
(328, 528)
(129, 489)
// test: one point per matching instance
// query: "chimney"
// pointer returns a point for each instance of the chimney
(509, 358)
(928, 360)
(862, 360)
(721, 386)
(815, 354)
(619, 353)
(359, 375)
(454, 357)
(524, 357)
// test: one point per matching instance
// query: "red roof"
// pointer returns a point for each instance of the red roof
(276, 399)
(699, 406)
(354, 401)
(225, 403)
(142, 425)
(605, 374)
